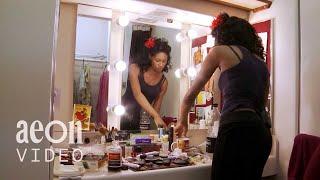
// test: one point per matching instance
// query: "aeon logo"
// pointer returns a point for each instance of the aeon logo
(36, 126)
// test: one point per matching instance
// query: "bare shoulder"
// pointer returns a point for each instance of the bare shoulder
(134, 68)
(218, 51)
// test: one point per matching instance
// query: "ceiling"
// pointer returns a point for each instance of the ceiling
(249, 5)
(150, 13)
(164, 16)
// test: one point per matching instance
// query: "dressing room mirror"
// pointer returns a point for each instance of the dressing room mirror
(90, 88)
(136, 117)
(81, 57)
(200, 115)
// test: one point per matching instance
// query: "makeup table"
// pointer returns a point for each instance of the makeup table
(201, 171)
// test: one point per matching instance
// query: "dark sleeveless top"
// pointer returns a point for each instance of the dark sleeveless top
(243, 85)
(131, 120)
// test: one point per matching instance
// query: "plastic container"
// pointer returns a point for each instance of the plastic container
(202, 124)
(145, 120)
(114, 156)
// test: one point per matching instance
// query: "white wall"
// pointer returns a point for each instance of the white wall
(26, 49)
(310, 63)
(170, 104)
(63, 80)
(286, 63)
(92, 36)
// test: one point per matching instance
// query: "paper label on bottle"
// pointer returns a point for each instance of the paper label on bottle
(114, 156)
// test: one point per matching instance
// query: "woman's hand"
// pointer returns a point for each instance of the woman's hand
(182, 128)
(159, 122)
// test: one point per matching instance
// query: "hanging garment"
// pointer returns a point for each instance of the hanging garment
(303, 148)
(84, 86)
(102, 103)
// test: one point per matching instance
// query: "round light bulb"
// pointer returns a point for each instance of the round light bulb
(192, 33)
(119, 110)
(121, 66)
(123, 20)
(107, 108)
(192, 72)
(177, 73)
(179, 37)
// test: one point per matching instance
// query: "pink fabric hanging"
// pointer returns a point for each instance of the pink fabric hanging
(102, 115)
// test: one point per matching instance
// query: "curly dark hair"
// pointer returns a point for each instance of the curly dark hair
(236, 31)
(161, 45)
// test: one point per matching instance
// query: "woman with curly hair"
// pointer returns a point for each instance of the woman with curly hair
(244, 139)
(146, 84)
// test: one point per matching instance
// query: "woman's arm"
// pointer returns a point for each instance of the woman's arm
(208, 67)
(139, 96)
(158, 101)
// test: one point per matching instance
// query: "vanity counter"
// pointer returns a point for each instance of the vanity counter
(202, 172)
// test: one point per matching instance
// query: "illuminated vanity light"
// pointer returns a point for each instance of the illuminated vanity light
(109, 67)
(191, 72)
(108, 108)
(178, 73)
(118, 110)
(120, 65)
(192, 33)
(123, 20)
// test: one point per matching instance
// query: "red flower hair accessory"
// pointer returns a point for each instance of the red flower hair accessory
(150, 43)
(221, 18)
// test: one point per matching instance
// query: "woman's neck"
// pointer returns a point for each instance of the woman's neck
(152, 72)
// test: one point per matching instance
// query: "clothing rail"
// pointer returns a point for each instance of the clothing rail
(92, 60)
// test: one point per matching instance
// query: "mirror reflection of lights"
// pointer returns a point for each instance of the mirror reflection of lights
(123, 20)
(178, 73)
(191, 72)
(108, 109)
(119, 110)
(109, 67)
(120, 65)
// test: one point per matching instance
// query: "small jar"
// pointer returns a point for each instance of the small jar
(91, 162)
